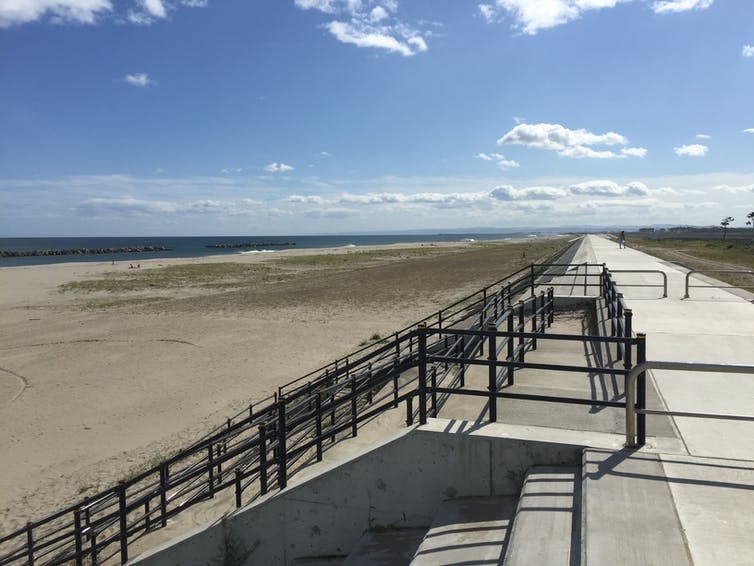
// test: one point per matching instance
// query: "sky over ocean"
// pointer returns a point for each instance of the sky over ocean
(176, 117)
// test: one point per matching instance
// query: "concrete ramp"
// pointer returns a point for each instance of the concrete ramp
(629, 514)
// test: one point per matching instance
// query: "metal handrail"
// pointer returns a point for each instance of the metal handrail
(664, 278)
(632, 410)
(739, 271)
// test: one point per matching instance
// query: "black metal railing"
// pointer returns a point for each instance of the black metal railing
(258, 449)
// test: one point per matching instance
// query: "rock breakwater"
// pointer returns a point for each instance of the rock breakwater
(82, 251)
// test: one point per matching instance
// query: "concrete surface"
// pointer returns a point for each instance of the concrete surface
(713, 326)
(385, 548)
(468, 531)
(629, 515)
(547, 527)
(400, 483)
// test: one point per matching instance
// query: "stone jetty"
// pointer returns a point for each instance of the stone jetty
(82, 251)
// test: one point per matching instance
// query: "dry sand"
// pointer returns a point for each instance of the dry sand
(96, 385)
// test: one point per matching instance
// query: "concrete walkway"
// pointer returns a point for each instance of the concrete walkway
(713, 497)
(712, 326)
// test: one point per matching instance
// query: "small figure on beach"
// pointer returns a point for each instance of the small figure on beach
(131, 266)
(622, 239)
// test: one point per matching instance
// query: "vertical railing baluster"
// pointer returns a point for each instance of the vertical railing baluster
(30, 543)
(123, 521)
(318, 424)
(282, 450)
(641, 390)
(211, 477)
(77, 537)
(262, 458)
(433, 373)
(164, 494)
(521, 328)
(534, 322)
(628, 334)
(511, 353)
(238, 488)
(354, 408)
(492, 374)
(422, 338)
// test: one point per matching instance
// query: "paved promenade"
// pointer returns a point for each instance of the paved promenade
(712, 326)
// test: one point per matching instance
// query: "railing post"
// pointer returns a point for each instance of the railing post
(396, 361)
(551, 306)
(484, 308)
(433, 381)
(641, 390)
(211, 477)
(77, 536)
(30, 543)
(409, 410)
(534, 322)
(354, 408)
(163, 494)
(318, 424)
(603, 281)
(463, 365)
(542, 309)
(282, 450)
(531, 276)
(332, 418)
(422, 336)
(510, 346)
(238, 488)
(521, 328)
(369, 383)
(492, 373)
(262, 458)
(586, 276)
(628, 334)
(123, 522)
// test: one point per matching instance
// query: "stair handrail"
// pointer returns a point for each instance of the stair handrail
(632, 410)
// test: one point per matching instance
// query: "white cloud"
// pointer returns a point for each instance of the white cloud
(531, 16)
(13, 12)
(278, 168)
(675, 6)
(633, 152)
(569, 143)
(691, 150)
(138, 79)
(738, 189)
(362, 25)
(129, 206)
(703, 136)
(507, 193)
(747, 51)
(608, 188)
(305, 199)
(502, 162)
(748, 131)
(440, 199)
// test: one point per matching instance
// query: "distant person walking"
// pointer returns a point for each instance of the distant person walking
(622, 239)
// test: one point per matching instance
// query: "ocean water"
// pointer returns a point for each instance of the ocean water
(196, 246)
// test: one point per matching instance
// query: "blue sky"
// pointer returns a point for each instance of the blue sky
(190, 117)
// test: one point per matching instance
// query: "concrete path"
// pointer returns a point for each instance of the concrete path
(712, 326)
(713, 497)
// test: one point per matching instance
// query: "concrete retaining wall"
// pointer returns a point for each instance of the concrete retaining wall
(400, 483)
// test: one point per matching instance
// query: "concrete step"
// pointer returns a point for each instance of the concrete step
(389, 547)
(546, 529)
(629, 514)
(470, 530)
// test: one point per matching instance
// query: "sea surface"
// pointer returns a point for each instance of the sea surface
(196, 246)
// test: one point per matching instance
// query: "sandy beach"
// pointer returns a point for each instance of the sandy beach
(105, 370)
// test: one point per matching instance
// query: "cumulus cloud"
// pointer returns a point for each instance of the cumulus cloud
(141, 12)
(138, 79)
(499, 158)
(608, 188)
(14, 12)
(676, 6)
(278, 168)
(691, 150)
(576, 144)
(531, 16)
(735, 189)
(703, 136)
(508, 193)
(748, 131)
(369, 24)
(747, 51)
